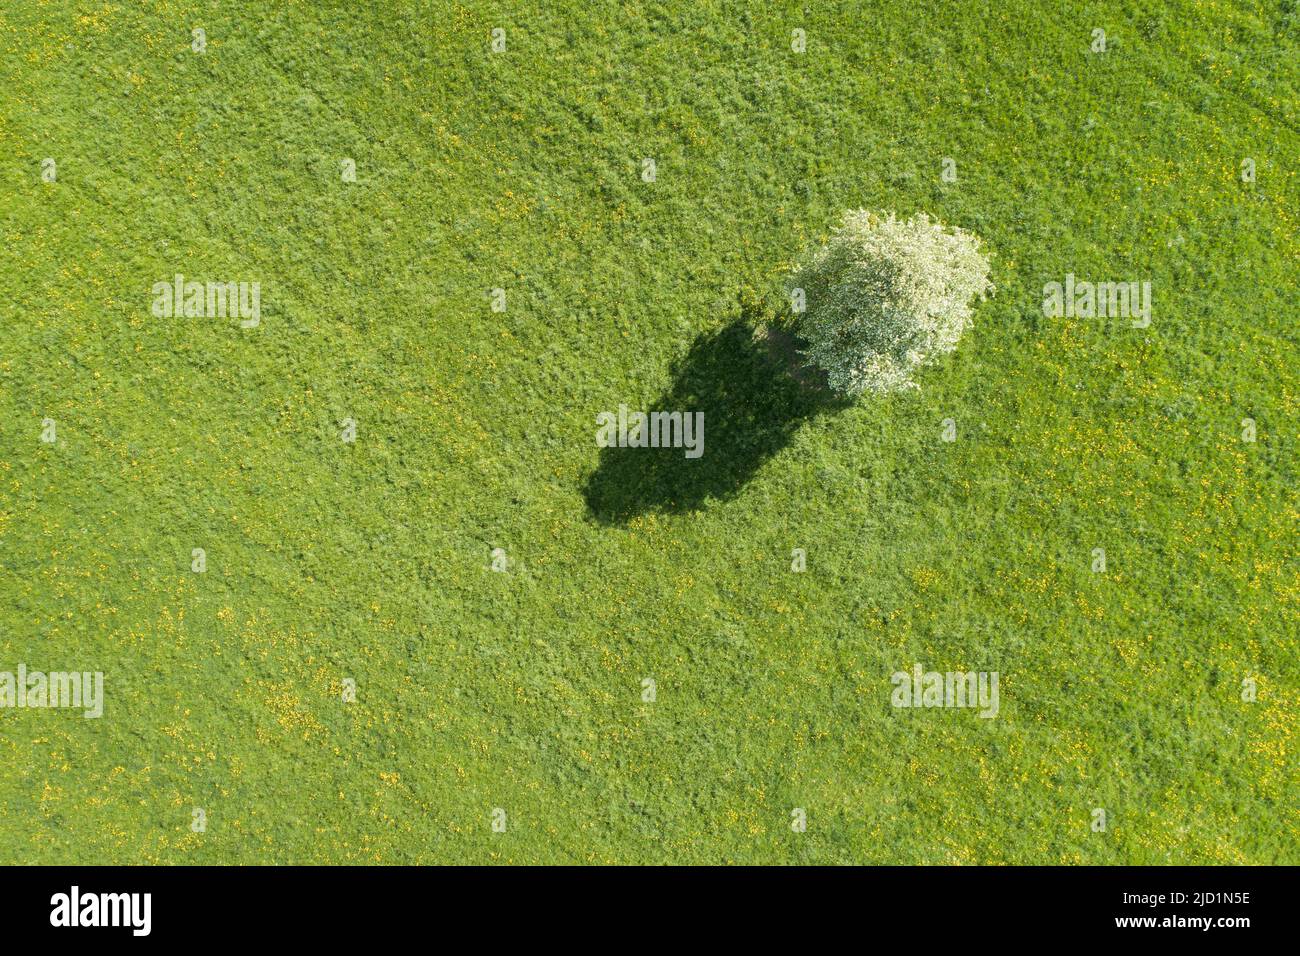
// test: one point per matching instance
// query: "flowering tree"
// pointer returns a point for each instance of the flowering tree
(885, 296)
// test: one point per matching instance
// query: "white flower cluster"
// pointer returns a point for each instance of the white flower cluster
(887, 295)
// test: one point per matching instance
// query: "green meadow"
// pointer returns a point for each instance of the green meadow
(436, 623)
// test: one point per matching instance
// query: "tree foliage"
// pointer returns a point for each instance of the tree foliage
(885, 296)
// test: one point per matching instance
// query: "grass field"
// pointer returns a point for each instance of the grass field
(371, 561)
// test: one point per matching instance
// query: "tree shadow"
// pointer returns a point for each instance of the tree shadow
(754, 392)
